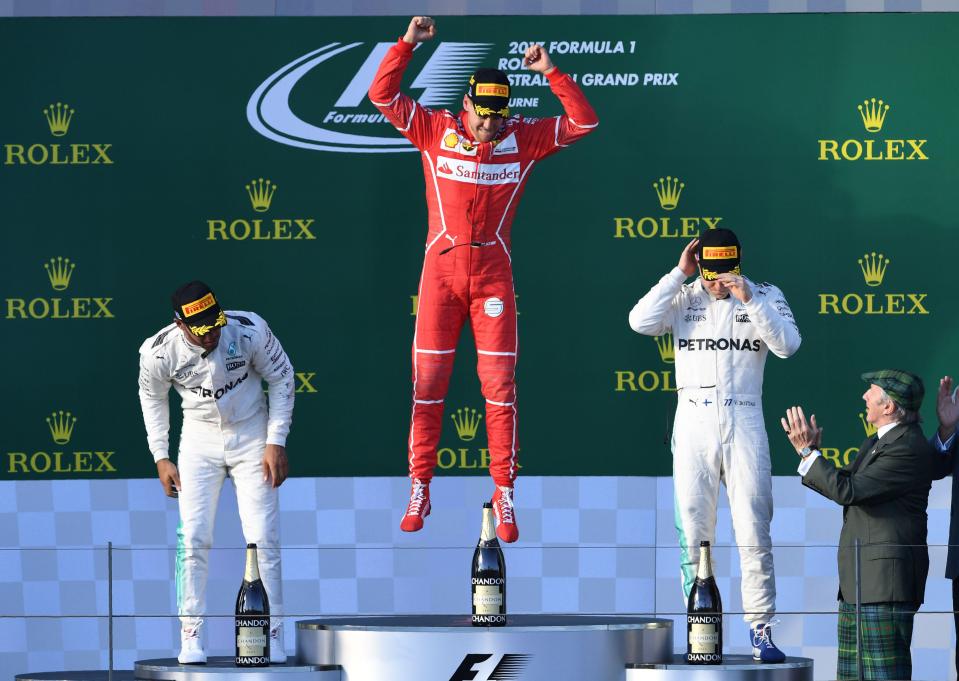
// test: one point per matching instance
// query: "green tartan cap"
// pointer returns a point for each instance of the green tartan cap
(904, 388)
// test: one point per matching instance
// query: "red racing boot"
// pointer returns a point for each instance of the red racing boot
(419, 506)
(506, 528)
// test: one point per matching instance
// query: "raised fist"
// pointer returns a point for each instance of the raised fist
(420, 30)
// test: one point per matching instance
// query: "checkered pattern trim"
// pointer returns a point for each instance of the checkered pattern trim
(587, 545)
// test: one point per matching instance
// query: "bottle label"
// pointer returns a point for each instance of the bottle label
(487, 600)
(250, 641)
(703, 639)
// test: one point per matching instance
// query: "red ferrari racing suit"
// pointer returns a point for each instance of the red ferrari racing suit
(472, 190)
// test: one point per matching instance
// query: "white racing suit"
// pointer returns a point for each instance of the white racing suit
(226, 427)
(719, 434)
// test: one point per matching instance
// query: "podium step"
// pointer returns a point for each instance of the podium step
(733, 668)
(222, 668)
(530, 647)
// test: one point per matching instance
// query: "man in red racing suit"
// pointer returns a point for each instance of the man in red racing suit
(476, 165)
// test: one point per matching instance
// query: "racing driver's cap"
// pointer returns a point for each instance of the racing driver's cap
(489, 92)
(195, 305)
(718, 252)
(904, 388)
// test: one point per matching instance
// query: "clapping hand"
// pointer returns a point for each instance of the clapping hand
(800, 433)
(946, 409)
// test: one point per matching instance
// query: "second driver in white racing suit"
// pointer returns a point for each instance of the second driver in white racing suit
(723, 327)
(216, 360)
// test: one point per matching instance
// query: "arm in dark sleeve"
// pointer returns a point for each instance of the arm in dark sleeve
(944, 457)
(894, 471)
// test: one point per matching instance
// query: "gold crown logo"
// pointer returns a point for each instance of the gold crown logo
(58, 118)
(668, 191)
(665, 345)
(59, 270)
(467, 423)
(873, 268)
(61, 426)
(868, 427)
(261, 194)
(873, 114)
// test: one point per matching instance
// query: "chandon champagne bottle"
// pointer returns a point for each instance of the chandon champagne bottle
(252, 618)
(704, 615)
(489, 576)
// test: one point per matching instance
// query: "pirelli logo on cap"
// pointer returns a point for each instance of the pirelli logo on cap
(198, 306)
(720, 252)
(491, 90)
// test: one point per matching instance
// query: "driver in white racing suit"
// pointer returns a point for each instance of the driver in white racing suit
(216, 361)
(723, 326)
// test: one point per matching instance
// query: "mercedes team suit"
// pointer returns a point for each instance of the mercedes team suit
(226, 426)
(472, 190)
(719, 433)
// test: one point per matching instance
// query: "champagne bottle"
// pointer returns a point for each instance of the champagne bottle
(252, 619)
(704, 615)
(488, 576)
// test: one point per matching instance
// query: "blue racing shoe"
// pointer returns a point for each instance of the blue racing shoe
(764, 650)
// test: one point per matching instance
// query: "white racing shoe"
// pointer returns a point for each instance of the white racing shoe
(191, 647)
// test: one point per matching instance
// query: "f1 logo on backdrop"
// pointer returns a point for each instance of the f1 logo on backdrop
(474, 665)
(442, 80)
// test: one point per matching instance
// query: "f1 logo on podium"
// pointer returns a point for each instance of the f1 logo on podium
(509, 666)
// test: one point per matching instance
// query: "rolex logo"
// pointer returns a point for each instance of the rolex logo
(61, 426)
(873, 268)
(59, 270)
(467, 422)
(873, 114)
(669, 226)
(667, 352)
(58, 118)
(668, 191)
(868, 427)
(261, 194)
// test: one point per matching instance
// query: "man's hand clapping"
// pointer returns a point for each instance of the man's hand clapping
(800, 433)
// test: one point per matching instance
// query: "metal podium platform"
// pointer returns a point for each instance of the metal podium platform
(733, 668)
(531, 647)
(222, 668)
(413, 648)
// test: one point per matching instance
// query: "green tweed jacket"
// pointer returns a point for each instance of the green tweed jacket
(884, 493)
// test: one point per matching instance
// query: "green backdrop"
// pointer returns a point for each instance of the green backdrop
(756, 115)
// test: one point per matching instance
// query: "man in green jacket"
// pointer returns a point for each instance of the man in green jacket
(884, 493)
